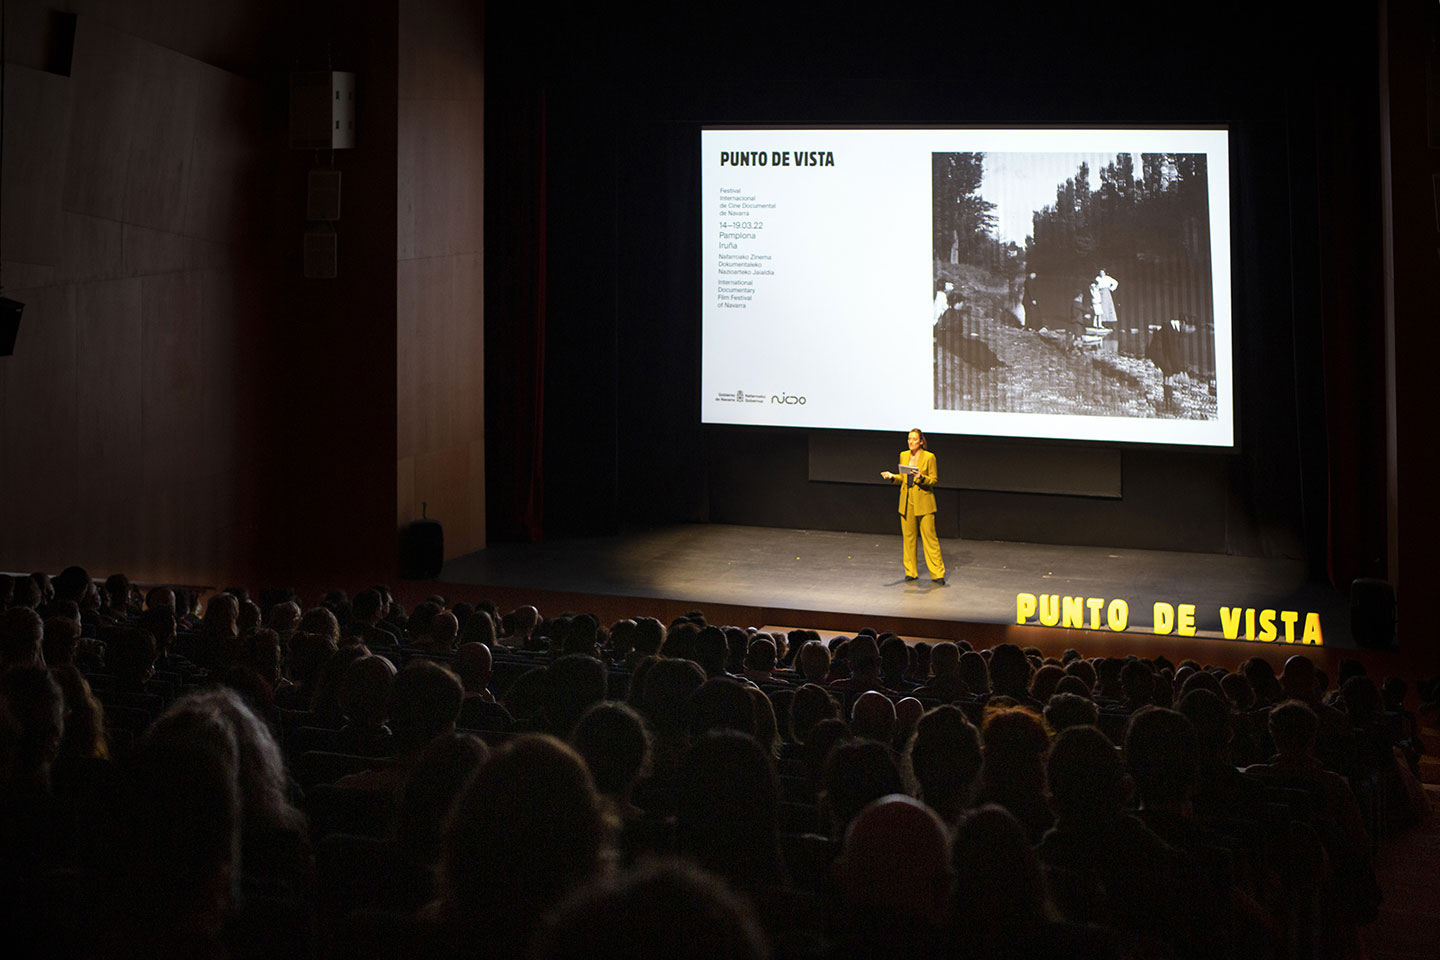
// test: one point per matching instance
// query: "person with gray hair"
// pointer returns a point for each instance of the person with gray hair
(22, 634)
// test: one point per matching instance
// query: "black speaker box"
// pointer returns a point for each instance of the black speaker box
(1372, 613)
(10, 311)
(422, 549)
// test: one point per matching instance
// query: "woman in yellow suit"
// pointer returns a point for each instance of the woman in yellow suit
(917, 506)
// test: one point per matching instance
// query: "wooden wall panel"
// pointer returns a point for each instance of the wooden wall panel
(120, 414)
(442, 50)
(440, 270)
(171, 377)
(213, 398)
(415, 349)
(93, 249)
(144, 251)
(42, 448)
(108, 324)
(453, 485)
(160, 145)
(216, 454)
(106, 78)
(238, 35)
(441, 178)
(37, 122)
(226, 173)
(439, 352)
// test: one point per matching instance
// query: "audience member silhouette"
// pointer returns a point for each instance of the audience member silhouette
(364, 701)
(721, 703)
(22, 633)
(857, 772)
(974, 672)
(659, 911)
(1117, 872)
(528, 831)
(711, 649)
(573, 684)
(443, 769)
(174, 873)
(424, 702)
(894, 877)
(1013, 774)
(727, 810)
(612, 739)
(873, 717)
(944, 756)
(1065, 710)
(1010, 673)
(946, 685)
(814, 660)
(767, 727)
(895, 664)
(811, 704)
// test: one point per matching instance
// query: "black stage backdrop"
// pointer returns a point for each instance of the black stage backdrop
(592, 261)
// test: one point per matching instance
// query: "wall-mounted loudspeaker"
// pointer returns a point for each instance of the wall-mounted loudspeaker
(322, 195)
(322, 256)
(1372, 613)
(10, 311)
(322, 110)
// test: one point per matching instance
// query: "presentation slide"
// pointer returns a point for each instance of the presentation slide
(1057, 283)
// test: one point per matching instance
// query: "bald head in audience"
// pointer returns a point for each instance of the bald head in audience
(873, 717)
(475, 665)
(523, 621)
(896, 861)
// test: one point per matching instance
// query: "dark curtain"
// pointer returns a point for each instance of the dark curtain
(515, 271)
(1351, 297)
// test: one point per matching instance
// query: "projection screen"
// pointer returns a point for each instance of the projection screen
(1045, 283)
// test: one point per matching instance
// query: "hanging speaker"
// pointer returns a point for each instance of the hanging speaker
(322, 258)
(322, 195)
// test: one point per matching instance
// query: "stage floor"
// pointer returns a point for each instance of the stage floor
(860, 574)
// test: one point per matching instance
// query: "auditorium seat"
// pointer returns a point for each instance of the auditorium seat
(322, 766)
(799, 817)
(333, 809)
(360, 743)
(797, 790)
(808, 857)
(357, 872)
(790, 763)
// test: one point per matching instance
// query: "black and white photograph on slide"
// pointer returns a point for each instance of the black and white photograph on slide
(1073, 283)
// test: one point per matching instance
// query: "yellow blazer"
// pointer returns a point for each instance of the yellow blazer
(920, 497)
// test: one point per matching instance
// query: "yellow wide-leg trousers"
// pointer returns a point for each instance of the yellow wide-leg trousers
(926, 526)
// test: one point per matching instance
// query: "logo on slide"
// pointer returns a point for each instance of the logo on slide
(740, 396)
(785, 398)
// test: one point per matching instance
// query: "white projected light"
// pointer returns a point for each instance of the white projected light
(1067, 283)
